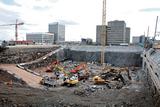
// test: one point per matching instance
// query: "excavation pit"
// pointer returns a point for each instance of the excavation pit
(121, 88)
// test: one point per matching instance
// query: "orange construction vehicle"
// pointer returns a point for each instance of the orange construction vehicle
(52, 66)
(82, 71)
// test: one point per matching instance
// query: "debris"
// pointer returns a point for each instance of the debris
(48, 81)
(73, 72)
(9, 83)
(87, 90)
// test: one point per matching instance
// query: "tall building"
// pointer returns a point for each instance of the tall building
(41, 38)
(99, 34)
(117, 33)
(58, 30)
(127, 35)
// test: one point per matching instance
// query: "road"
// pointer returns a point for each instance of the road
(31, 79)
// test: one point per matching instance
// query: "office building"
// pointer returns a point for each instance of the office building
(58, 30)
(117, 33)
(41, 38)
(99, 34)
(127, 35)
(86, 41)
(138, 39)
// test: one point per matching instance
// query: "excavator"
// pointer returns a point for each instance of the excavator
(52, 66)
(111, 74)
(71, 77)
(58, 70)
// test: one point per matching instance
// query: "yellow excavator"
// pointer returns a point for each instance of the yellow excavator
(68, 80)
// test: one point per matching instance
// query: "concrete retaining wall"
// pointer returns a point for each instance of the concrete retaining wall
(151, 67)
(115, 58)
(121, 58)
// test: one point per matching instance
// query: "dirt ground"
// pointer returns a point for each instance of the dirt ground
(20, 95)
(30, 79)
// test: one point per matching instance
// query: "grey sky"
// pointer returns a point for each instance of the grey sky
(80, 16)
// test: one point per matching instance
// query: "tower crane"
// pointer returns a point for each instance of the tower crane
(16, 27)
(149, 43)
(103, 32)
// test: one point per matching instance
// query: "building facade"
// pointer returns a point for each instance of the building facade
(128, 35)
(86, 41)
(41, 38)
(117, 33)
(138, 39)
(99, 34)
(58, 30)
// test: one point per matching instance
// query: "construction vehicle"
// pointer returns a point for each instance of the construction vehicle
(82, 71)
(73, 80)
(98, 80)
(69, 78)
(78, 73)
(78, 68)
(110, 74)
(48, 81)
(52, 66)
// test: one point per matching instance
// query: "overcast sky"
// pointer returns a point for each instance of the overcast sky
(79, 16)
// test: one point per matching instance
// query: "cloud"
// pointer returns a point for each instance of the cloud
(9, 2)
(52, 1)
(7, 16)
(39, 8)
(150, 10)
(68, 22)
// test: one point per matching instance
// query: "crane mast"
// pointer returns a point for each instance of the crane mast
(103, 32)
(104, 13)
(16, 30)
(155, 33)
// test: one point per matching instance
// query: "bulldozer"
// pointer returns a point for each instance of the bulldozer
(98, 80)
(111, 74)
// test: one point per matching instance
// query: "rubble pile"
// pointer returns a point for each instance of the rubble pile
(69, 72)
(41, 63)
(88, 77)
(88, 90)
(20, 55)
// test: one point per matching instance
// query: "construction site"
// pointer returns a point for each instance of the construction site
(103, 75)
(36, 76)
